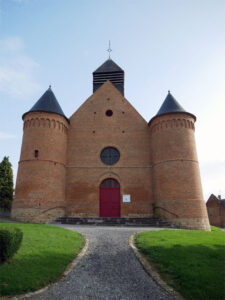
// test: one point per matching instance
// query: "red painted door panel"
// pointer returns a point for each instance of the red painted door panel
(109, 202)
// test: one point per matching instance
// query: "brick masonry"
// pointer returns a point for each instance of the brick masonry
(40, 185)
(158, 163)
(177, 189)
(216, 211)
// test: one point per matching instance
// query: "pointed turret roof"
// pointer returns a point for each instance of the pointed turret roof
(47, 103)
(170, 105)
(108, 66)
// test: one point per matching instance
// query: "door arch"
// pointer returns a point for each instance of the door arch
(110, 198)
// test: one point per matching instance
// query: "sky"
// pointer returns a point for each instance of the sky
(162, 45)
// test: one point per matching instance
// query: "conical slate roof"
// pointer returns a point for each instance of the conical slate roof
(48, 103)
(108, 66)
(170, 105)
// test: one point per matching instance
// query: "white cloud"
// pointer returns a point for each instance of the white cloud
(6, 136)
(13, 44)
(17, 70)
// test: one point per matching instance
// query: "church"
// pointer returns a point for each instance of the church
(107, 161)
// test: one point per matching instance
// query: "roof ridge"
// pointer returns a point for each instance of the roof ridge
(108, 66)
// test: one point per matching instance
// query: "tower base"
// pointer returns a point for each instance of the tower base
(192, 223)
(35, 215)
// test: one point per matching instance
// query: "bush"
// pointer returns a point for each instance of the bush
(10, 241)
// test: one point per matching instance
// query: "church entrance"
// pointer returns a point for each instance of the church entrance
(110, 198)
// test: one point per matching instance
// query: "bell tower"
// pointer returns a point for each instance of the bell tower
(109, 70)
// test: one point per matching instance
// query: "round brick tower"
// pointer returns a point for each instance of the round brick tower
(40, 185)
(177, 186)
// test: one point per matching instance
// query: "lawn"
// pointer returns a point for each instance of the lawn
(43, 256)
(191, 261)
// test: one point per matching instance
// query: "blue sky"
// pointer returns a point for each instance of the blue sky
(162, 45)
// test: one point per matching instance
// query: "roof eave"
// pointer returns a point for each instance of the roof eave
(49, 112)
(170, 113)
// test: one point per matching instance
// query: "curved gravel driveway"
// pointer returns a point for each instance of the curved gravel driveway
(108, 270)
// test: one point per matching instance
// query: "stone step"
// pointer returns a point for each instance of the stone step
(145, 222)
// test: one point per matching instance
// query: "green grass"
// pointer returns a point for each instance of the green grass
(214, 228)
(43, 256)
(193, 262)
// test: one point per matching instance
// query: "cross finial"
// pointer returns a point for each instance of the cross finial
(109, 49)
(50, 86)
(169, 92)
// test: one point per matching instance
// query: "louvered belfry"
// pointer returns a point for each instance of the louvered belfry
(109, 70)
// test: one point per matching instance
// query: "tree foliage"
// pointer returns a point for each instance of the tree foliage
(6, 184)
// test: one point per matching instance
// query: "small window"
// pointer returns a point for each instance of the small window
(109, 113)
(36, 153)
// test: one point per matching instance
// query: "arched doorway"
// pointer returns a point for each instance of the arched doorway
(110, 198)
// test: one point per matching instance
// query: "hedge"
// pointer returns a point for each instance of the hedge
(10, 241)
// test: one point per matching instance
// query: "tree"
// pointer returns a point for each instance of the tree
(6, 184)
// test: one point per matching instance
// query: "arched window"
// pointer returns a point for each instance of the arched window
(109, 183)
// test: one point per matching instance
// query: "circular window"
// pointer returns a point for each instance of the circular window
(110, 156)
(109, 113)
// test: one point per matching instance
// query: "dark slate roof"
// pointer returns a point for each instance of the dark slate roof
(170, 105)
(48, 103)
(108, 66)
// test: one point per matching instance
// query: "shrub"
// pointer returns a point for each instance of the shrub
(10, 241)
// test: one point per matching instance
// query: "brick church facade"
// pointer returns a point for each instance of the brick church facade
(107, 161)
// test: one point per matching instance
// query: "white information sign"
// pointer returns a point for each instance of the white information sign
(126, 198)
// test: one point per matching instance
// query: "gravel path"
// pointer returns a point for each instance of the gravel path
(108, 270)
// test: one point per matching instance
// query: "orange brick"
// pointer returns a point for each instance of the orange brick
(158, 163)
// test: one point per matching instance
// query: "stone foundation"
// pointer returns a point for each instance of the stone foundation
(34, 215)
(192, 223)
(87, 215)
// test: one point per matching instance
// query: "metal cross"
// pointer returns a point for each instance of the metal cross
(109, 49)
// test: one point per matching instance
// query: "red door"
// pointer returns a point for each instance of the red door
(109, 198)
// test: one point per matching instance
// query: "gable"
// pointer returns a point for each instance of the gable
(125, 129)
(212, 201)
(108, 96)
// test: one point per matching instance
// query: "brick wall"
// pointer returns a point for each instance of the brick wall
(40, 186)
(158, 164)
(216, 211)
(177, 187)
(91, 131)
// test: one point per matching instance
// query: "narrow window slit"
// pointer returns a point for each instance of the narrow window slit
(36, 153)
